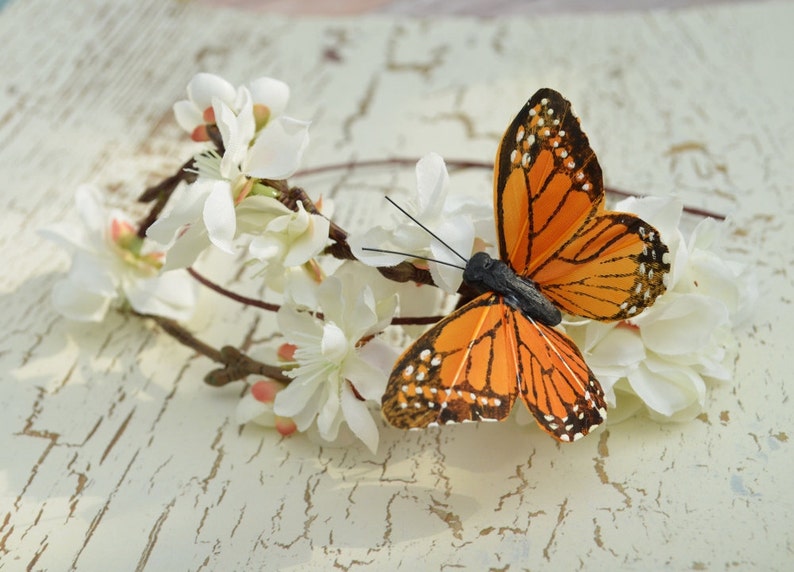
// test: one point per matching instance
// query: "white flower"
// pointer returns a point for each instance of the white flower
(263, 99)
(111, 265)
(282, 237)
(662, 358)
(197, 110)
(338, 368)
(454, 223)
(259, 143)
(259, 140)
(203, 214)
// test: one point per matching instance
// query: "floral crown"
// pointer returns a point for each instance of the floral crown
(452, 312)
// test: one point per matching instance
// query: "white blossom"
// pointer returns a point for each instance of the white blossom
(339, 367)
(456, 223)
(281, 236)
(113, 266)
(259, 143)
(662, 359)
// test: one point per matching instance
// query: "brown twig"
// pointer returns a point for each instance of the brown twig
(464, 164)
(236, 365)
(232, 295)
(401, 320)
(390, 162)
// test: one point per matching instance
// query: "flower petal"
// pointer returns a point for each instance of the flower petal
(270, 92)
(237, 131)
(665, 388)
(203, 87)
(278, 149)
(220, 218)
(459, 236)
(97, 274)
(298, 327)
(187, 114)
(265, 247)
(367, 371)
(431, 185)
(376, 237)
(256, 212)
(681, 323)
(327, 418)
(621, 348)
(249, 409)
(92, 212)
(332, 300)
(76, 303)
(309, 243)
(300, 288)
(187, 248)
(334, 345)
(663, 213)
(300, 402)
(171, 294)
(188, 206)
(359, 419)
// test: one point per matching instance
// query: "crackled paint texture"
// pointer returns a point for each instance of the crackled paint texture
(114, 455)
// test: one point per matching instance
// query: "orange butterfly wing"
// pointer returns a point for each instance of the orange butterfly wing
(551, 222)
(473, 364)
(462, 369)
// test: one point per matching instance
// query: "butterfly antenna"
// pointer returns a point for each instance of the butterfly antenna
(384, 251)
(431, 233)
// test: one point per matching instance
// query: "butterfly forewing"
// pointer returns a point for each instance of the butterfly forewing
(462, 369)
(472, 364)
(547, 181)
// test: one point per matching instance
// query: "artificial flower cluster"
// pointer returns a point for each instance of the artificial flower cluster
(329, 373)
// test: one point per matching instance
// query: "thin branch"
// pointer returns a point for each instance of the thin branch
(184, 337)
(236, 365)
(402, 320)
(232, 295)
(390, 162)
(464, 164)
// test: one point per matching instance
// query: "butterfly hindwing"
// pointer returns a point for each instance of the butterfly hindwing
(612, 268)
(557, 386)
(551, 222)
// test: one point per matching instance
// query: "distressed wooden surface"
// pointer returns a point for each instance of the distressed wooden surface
(114, 455)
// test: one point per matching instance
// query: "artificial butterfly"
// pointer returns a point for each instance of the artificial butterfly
(559, 249)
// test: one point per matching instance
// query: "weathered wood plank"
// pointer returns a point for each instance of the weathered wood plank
(113, 454)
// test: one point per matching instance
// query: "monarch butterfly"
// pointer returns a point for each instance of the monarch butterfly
(559, 250)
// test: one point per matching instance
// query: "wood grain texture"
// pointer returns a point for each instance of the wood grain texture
(114, 455)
